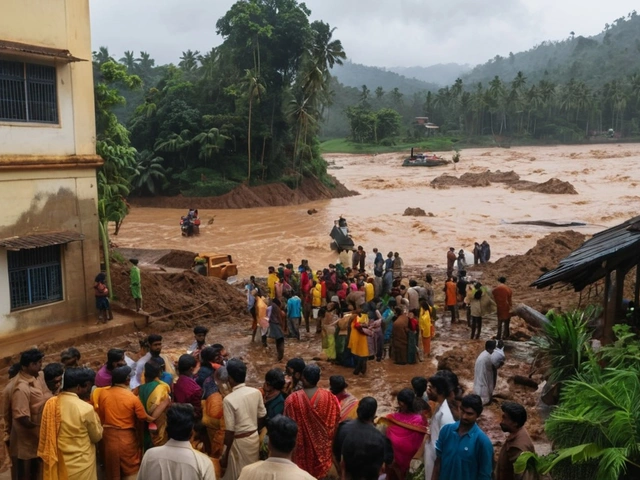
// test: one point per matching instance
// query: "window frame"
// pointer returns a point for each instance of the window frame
(34, 281)
(28, 100)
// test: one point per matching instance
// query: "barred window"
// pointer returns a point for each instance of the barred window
(35, 276)
(28, 92)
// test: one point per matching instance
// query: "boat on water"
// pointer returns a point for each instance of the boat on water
(424, 160)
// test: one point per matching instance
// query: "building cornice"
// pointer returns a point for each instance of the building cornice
(39, 162)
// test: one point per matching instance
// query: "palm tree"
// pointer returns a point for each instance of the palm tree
(301, 113)
(210, 142)
(189, 61)
(326, 52)
(145, 63)
(254, 88)
(380, 93)
(129, 61)
(175, 143)
(102, 56)
(150, 174)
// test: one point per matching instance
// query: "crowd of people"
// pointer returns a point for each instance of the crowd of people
(156, 417)
(199, 419)
(365, 316)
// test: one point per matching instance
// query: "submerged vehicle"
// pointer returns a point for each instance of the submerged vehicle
(424, 160)
(190, 223)
(340, 234)
(216, 265)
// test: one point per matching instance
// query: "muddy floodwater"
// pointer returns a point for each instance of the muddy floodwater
(605, 177)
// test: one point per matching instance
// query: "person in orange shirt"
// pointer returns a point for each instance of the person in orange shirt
(120, 413)
(502, 295)
(450, 299)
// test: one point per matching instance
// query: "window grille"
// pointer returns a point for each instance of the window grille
(35, 276)
(28, 92)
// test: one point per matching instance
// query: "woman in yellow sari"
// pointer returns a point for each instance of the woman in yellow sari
(153, 394)
(214, 390)
(426, 327)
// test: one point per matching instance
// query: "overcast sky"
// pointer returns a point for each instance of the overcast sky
(373, 32)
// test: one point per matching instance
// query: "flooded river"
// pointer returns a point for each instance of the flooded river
(606, 178)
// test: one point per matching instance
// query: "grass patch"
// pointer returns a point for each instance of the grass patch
(341, 145)
(117, 256)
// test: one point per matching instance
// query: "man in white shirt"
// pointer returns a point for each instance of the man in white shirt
(437, 391)
(244, 415)
(282, 432)
(176, 459)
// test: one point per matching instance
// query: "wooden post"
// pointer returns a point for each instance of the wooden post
(613, 288)
(636, 298)
(609, 313)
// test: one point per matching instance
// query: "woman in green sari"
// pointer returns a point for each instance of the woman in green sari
(154, 394)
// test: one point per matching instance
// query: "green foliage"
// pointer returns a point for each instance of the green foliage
(252, 104)
(566, 342)
(596, 428)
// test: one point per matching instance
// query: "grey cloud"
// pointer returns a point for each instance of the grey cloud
(373, 32)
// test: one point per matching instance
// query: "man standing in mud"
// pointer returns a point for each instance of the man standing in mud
(502, 295)
(136, 287)
(464, 452)
(514, 416)
(398, 263)
(451, 260)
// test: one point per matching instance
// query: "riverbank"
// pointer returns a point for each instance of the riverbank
(269, 195)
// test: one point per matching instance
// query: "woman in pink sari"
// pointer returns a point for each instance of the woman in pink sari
(406, 430)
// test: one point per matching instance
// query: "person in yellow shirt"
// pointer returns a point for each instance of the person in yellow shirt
(369, 290)
(272, 279)
(358, 340)
(70, 429)
(426, 327)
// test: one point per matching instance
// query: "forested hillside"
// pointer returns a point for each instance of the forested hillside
(593, 60)
(440, 74)
(247, 111)
(355, 75)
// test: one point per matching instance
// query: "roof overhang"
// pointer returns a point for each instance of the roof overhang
(38, 240)
(24, 49)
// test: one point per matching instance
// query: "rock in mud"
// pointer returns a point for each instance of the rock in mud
(415, 212)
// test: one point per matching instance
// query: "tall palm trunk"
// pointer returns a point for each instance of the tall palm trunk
(249, 140)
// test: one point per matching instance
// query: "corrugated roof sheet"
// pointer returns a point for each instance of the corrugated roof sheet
(40, 240)
(17, 48)
(617, 246)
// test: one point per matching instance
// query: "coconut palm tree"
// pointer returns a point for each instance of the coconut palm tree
(210, 142)
(254, 88)
(129, 61)
(176, 143)
(150, 174)
(189, 61)
(145, 62)
(326, 52)
(102, 56)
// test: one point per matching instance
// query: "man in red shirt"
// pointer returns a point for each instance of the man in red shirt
(502, 295)
(186, 390)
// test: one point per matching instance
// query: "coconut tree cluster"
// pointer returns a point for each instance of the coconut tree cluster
(246, 111)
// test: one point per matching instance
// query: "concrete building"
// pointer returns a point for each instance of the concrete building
(49, 249)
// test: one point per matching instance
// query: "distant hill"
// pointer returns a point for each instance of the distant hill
(595, 60)
(440, 74)
(355, 75)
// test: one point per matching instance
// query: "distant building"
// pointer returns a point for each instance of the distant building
(49, 250)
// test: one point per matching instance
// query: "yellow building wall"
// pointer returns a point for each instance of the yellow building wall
(37, 192)
(62, 24)
(44, 201)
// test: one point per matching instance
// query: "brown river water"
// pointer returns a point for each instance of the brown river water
(606, 177)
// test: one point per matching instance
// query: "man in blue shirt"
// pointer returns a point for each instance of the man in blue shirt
(464, 452)
(294, 314)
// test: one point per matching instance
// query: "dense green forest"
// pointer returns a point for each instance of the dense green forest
(247, 111)
(565, 91)
(608, 56)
